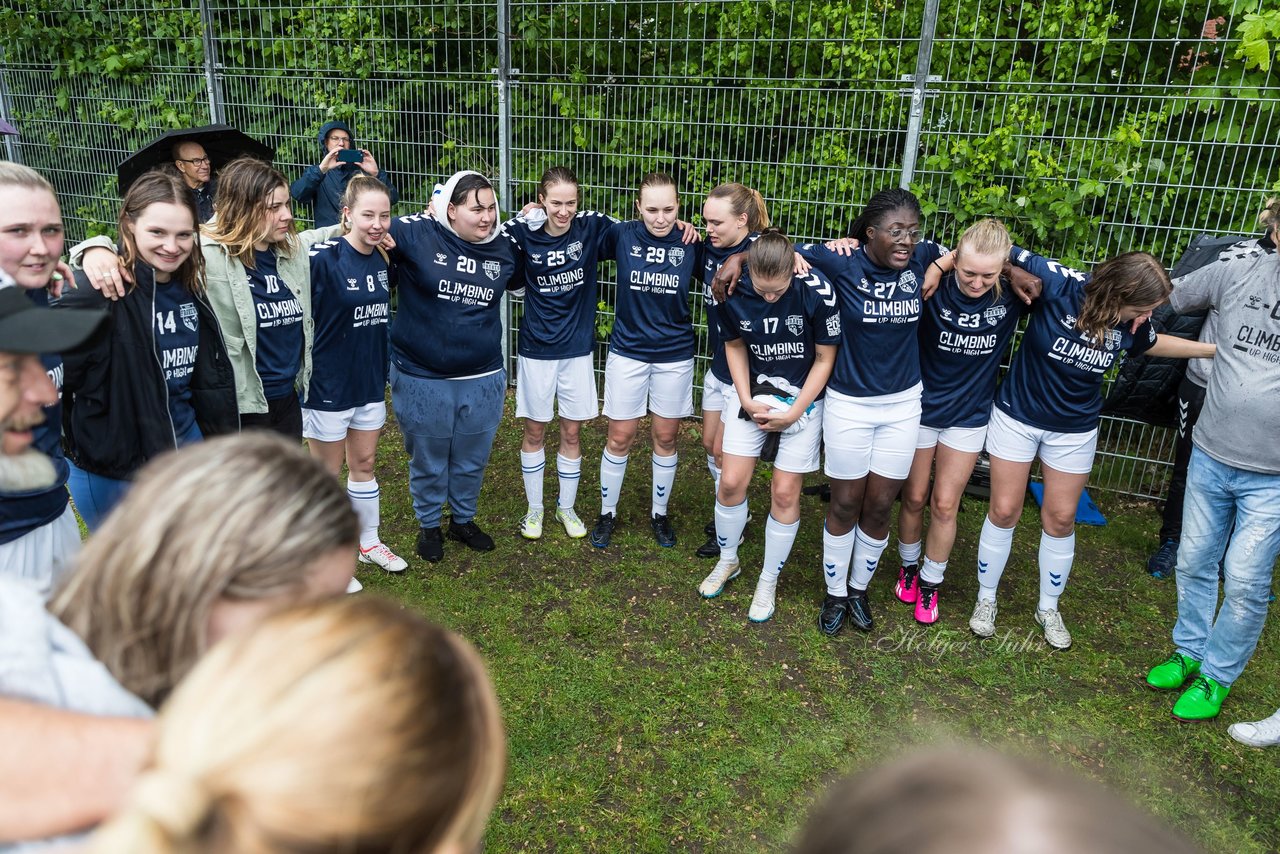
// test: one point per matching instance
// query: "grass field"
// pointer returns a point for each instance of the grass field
(643, 718)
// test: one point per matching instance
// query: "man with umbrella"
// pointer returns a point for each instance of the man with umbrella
(197, 173)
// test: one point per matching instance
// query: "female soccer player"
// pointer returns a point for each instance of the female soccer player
(447, 379)
(732, 213)
(781, 332)
(346, 404)
(1048, 407)
(158, 376)
(650, 364)
(964, 333)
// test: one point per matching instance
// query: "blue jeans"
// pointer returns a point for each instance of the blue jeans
(94, 495)
(448, 428)
(1217, 494)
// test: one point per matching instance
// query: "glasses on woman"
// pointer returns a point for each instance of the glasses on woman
(914, 235)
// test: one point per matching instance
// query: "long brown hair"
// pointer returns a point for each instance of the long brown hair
(744, 200)
(244, 186)
(1131, 280)
(237, 517)
(157, 187)
(375, 732)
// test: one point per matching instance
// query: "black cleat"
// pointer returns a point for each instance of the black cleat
(832, 616)
(860, 610)
(603, 530)
(662, 530)
(430, 544)
(470, 534)
(710, 548)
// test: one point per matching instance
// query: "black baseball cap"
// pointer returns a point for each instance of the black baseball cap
(28, 328)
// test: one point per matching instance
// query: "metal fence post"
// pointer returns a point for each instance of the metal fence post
(212, 84)
(918, 92)
(506, 183)
(12, 151)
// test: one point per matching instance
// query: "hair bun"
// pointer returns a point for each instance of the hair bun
(175, 802)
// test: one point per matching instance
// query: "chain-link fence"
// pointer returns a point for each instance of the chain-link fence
(1089, 126)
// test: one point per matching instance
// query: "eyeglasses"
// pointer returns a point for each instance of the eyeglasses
(194, 161)
(339, 139)
(914, 235)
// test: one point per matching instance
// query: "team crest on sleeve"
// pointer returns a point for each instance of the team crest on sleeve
(575, 250)
(493, 269)
(441, 259)
(795, 323)
(833, 325)
(995, 314)
(189, 317)
(907, 282)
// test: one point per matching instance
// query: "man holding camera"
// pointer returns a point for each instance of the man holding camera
(323, 185)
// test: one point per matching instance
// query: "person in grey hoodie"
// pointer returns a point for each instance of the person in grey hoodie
(322, 185)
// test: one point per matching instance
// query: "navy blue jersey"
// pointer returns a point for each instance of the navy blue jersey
(962, 341)
(879, 310)
(448, 320)
(351, 305)
(782, 336)
(712, 259)
(653, 322)
(1056, 377)
(177, 342)
(279, 313)
(560, 289)
(23, 512)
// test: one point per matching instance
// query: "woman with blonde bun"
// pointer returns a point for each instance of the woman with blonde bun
(262, 752)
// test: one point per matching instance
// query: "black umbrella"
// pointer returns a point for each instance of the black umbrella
(222, 143)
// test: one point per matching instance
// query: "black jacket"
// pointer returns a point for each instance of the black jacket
(115, 412)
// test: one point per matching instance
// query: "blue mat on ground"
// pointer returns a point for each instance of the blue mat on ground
(1086, 514)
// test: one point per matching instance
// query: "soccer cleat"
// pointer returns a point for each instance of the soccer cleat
(908, 587)
(354, 586)
(723, 572)
(1055, 632)
(531, 524)
(380, 555)
(1263, 733)
(983, 621)
(469, 534)
(430, 544)
(762, 602)
(662, 530)
(1164, 561)
(1202, 701)
(603, 530)
(1173, 672)
(832, 616)
(860, 610)
(572, 524)
(926, 612)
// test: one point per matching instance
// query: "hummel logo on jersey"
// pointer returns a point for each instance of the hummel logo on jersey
(493, 269)
(946, 314)
(189, 317)
(676, 255)
(795, 323)
(1069, 321)
(635, 251)
(833, 325)
(535, 257)
(442, 259)
(864, 285)
(907, 283)
(575, 250)
(353, 285)
(744, 325)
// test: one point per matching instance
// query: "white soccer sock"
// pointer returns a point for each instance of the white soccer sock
(715, 471)
(1056, 555)
(533, 464)
(836, 551)
(866, 556)
(729, 524)
(364, 500)
(664, 477)
(993, 553)
(932, 571)
(612, 471)
(778, 539)
(909, 552)
(569, 472)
